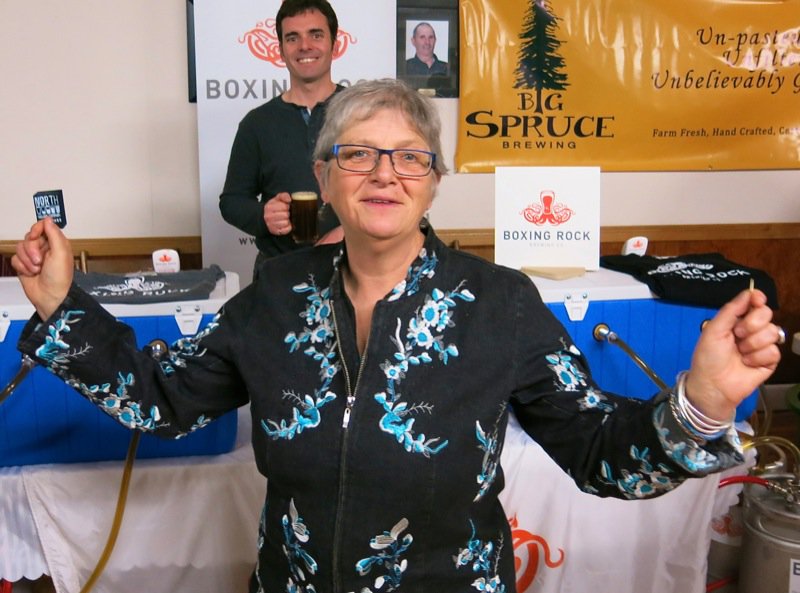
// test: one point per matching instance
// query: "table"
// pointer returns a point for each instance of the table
(190, 525)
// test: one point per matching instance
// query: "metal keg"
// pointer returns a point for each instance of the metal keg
(770, 557)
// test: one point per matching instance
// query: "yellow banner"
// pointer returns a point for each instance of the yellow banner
(629, 85)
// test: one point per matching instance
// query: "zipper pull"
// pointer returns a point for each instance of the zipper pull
(346, 420)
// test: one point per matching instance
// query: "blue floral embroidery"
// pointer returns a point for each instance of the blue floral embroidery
(426, 268)
(317, 338)
(490, 445)
(124, 410)
(306, 415)
(55, 351)
(389, 548)
(482, 558)
(642, 484)
(295, 534)
(57, 354)
(423, 334)
(595, 400)
(686, 452)
(568, 376)
(188, 347)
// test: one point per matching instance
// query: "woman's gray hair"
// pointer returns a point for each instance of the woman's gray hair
(362, 100)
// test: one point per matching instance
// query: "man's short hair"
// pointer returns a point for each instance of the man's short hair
(423, 23)
(294, 7)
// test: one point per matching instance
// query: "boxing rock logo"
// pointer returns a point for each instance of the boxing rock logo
(548, 211)
(530, 551)
(263, 43)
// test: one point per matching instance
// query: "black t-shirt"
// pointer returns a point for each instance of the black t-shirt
(706, 279)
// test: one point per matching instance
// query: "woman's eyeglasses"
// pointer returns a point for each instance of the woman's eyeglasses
(407, 162)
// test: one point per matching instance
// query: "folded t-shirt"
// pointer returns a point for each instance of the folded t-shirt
(707, 279)
(137, 289)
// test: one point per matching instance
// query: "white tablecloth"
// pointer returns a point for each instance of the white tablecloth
(190, 525)
(21, 554)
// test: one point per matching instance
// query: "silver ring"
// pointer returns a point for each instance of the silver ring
(781, 336)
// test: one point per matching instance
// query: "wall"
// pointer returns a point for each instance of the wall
(95, 102)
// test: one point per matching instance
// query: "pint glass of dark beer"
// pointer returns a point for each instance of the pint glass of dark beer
(304, 216)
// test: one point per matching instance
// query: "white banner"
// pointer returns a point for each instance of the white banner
(234, 45)
(547, 217)
(567, 541)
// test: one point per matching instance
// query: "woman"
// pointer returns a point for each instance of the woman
(381, 373)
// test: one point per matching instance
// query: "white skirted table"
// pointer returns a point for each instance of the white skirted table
(191, 525)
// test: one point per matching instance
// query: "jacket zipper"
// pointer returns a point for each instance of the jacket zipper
(351, 400)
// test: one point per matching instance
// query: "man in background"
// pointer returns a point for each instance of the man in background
(271, 153)
(425, 62)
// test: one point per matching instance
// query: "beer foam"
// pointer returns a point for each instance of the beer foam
(303, 196)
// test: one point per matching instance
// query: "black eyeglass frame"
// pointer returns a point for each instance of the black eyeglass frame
(381, 151)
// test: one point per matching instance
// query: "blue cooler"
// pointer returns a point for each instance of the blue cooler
(663, 334)
(44, 421)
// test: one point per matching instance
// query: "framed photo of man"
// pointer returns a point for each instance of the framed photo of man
(427, 48)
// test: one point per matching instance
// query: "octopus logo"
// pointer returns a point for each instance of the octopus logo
(263, 43)
(727, 525)
(548, 211)
(526, 555)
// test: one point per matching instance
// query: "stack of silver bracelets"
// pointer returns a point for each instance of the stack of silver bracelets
(692, 420)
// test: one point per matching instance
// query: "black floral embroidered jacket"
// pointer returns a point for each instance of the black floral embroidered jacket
(383, 470)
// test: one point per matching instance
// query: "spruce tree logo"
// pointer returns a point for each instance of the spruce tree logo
(540, 65)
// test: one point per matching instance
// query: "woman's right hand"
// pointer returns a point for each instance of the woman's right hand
(45, 266)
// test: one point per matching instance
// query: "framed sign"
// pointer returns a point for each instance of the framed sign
(427, 46)
(547, 217)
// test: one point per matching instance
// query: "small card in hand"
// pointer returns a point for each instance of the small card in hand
(50, 203)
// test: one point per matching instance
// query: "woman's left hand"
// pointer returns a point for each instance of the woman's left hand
(737, 351)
